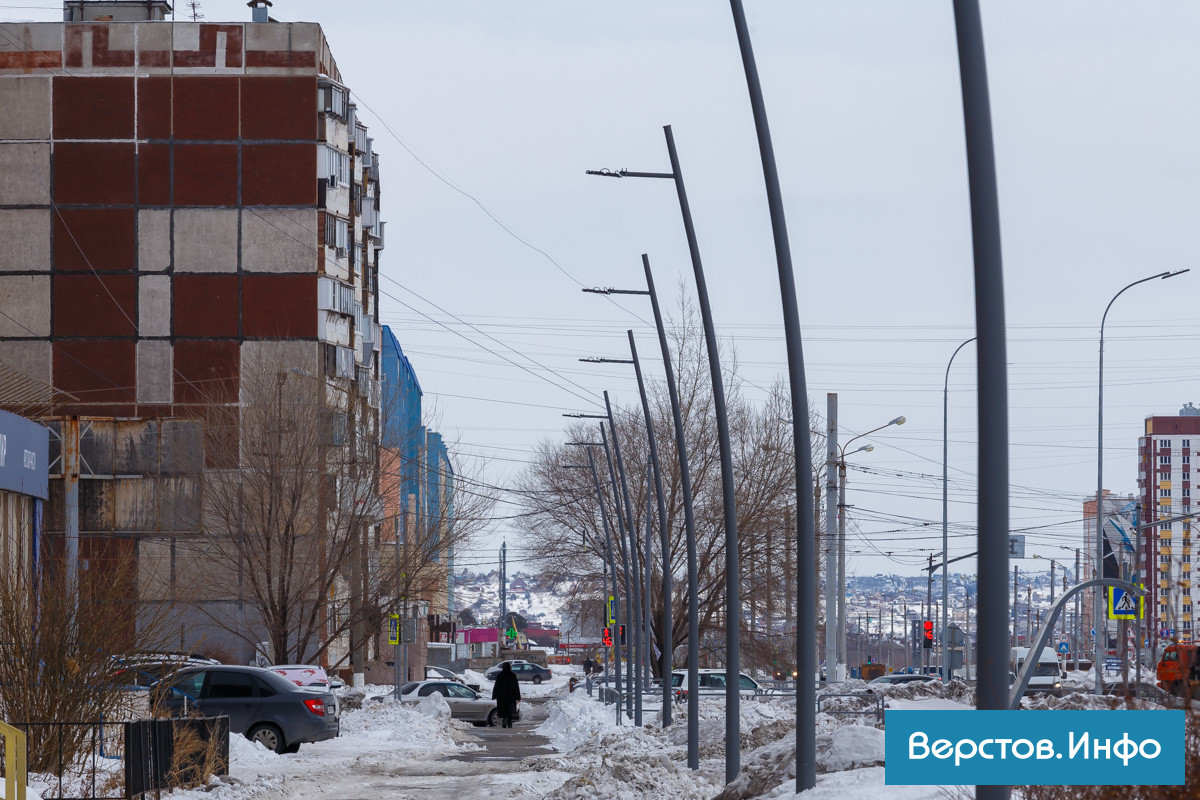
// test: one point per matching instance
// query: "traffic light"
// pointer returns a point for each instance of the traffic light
(607, 639)
(928, 635)
(622, 635)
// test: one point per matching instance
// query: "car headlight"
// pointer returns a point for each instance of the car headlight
(1057, 685)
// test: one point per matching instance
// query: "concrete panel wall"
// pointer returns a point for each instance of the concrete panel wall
(154, 305)
(279, 240)
(206, 240)
(154, 240)
(26, 300)
(154, 366)
(25, 234)
(30, 357)
(26, 171)
(26, 104)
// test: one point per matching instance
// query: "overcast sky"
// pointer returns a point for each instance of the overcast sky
(1095, 108)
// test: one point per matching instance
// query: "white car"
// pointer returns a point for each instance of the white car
(307, 675)
(464, 703)
(712, 681)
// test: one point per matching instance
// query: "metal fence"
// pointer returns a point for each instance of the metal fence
(123, 760)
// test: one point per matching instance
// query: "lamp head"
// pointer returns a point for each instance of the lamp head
(898, 421)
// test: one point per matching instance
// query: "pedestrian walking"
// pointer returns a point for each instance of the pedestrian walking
(507, 693)
(587, 665)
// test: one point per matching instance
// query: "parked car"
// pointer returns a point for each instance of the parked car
(712, 681)
(142, 670)
(524, 670)
(464, 703)
(899, 679)
(433, 673)
(307, 675)
(1143, 690)
(266, 707)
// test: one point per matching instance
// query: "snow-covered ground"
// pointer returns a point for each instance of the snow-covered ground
(389, 750)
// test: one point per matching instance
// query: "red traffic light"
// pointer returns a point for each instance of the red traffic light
(928, 634)
(607, 638)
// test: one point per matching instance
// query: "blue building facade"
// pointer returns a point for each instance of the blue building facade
(420, 457)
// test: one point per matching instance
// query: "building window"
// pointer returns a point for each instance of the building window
(333, 100)
(1187, 542)
(1164, 492)
(1164, 476)
(1187, 442)
(337, 232)
(1164, 443)
(1187, 609)
(1187, 625)
(1164, 592)
(335, 166)
(1164, 459)
(1187, 559)
(1187, 459)
(1162, 609)
(1165, 558)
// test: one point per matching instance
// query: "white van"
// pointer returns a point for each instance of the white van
(1047, 672)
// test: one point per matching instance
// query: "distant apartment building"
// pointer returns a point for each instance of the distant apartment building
(1165, 483)
(417, 485)
(181, 203)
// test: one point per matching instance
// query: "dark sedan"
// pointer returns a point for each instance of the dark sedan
(524, 670)
(267, 708)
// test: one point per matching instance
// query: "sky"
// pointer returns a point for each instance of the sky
(487, 114)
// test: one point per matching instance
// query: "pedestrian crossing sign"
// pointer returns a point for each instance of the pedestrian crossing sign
(1123, 605)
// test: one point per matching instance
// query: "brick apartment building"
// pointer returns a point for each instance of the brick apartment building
(180, 201)
(1165, 486)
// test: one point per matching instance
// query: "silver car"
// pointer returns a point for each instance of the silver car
(464, 703)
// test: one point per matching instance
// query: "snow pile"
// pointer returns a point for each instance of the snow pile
(247, 756)
(850, 747)
(434, 705)
(400, 725)
(1083, 701)
(956, 690)
(762, 721)
(574, 719)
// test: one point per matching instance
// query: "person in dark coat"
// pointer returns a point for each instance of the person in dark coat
(507, 693)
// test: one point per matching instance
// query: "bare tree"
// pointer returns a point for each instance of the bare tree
(289, 491)
(562, 526)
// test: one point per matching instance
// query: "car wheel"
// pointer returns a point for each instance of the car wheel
(269, 737)
(493, 718)
(537, 679)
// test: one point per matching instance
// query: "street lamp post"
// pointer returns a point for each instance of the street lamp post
(841, 555)
(946, 510)
(689, 527)
(733, 613)
(1099, 641)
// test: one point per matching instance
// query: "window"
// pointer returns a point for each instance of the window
(1187, 609)
(264, 689)
(337, 232)
(225, 685)
(1187, 559)
(1164, 476)
(1187, 492)
(1187, 625)
(1164, 443)
(1187, 542)
(1165, 558)
(333, 100)
(1164, 592)
(1186, 442)
(335, 165)
(188, 685)
(1164, 492)
(1162, 609)
(1187, 459)
(1164, 459)
(458, 690)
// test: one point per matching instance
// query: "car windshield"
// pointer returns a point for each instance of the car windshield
(746, 682)
(408, 688)
(1171, 655)
(676, 679)
(457, 690)
(1046, 670)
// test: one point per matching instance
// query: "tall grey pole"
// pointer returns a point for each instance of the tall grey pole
(647, 557)
(831, 598)
(733, 606)
(612, 476)
(992, 382)
(628, 540)
(806, 595)
(662, 525)
(612, 565)
(689, 525)
(1015, 639)
(946, 503)
(1099, 641)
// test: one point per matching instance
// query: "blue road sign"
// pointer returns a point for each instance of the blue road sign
(1122, 605)
(1064, 647)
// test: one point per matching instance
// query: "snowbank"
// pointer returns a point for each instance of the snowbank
(574, 719)
(434, 705)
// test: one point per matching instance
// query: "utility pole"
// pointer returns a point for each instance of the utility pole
(628, 541)
(926, 653)
(1077, 638)
(841, 558)
(503, 587)
(1016, 641)
(832, 600)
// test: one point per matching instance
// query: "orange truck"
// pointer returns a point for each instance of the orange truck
(1178, 670)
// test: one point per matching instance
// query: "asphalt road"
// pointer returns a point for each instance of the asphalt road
(515, 743)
